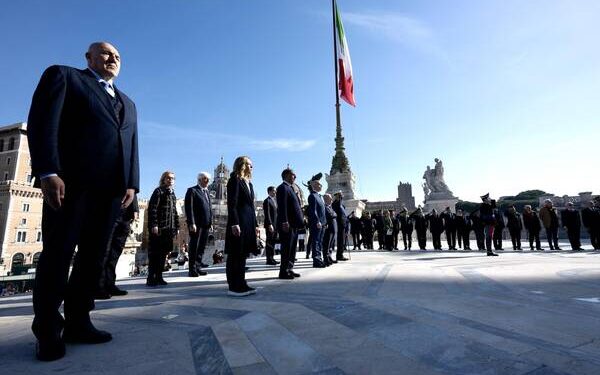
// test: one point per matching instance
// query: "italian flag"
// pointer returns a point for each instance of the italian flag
(346, 84)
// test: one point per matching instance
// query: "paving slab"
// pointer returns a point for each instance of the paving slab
(400, 312)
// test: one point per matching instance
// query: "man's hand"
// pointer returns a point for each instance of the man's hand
(53, 188)
(155, 230)
(193, 228)
(285, 226)
(319, 225)
(128, 198)
(270, 228)
(235, 229)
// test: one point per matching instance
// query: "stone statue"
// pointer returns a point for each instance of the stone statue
(434, 181)
(426, 189)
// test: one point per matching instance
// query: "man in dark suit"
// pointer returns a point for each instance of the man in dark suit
(330, 230)
(421, 224)
(342, 225)
(436, 227)
(82, 134)
(270, 212)
(316, 220)
(289, 220)
(571, 221)
(198, 214)
(121, 231)
(590, 217)
(449, 227)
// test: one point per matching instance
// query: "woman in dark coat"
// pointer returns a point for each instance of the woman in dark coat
(163, 224)
(240, 238)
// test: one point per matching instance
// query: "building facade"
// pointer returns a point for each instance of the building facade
(20, 204)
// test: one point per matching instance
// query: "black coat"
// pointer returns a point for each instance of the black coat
(420, 221)
(513, 221)
(449, 220)
(436, 224)
(198, 210)
(486, 213)
(366, 225)
(407, 223)
(270, 212)
(342, 216)
(74, 131)
(463, 224)
(499, 220)
(591, 218)
(531, 222)
(331, 217)
(356, 225)
(288, 207)
(240, 211)
(570, 219)
(162, 210)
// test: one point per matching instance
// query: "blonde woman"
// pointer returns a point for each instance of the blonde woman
(163, 224)
(240, 239)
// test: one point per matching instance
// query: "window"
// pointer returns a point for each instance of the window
(39, 236)
(18, 259)
(23, 221)
(1, 145)
(29, 178)
(11, 143)
(21, 236)
(5, 176)
(36, 259)
(7, 161)
(25, 207)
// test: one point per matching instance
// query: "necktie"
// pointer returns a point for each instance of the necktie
(116, 102)
(109, 88)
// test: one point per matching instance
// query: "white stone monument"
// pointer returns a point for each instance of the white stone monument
(437, 193)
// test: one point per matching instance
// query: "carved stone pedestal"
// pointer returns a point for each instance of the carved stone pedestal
(440, 204)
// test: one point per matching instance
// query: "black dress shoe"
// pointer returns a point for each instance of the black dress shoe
(286, 276)
(193, 274)
(272, 262)
(492, 254)
(102, 294)
(50, 349)
(118, 292)
(204, 265)
(333, 261)
(319, 265)
(85, 334)
(161, 281)
(151, 282)
(342, 259)
(294, 274)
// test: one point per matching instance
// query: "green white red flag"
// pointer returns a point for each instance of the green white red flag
(345, 79)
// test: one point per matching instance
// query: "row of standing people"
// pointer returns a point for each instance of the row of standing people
(458, 226)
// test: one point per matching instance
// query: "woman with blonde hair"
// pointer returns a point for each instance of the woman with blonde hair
(163, 225)
(240, 238)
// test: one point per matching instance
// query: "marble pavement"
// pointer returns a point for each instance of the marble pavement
(448, 312)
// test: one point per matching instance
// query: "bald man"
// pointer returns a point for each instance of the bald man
(82, 134)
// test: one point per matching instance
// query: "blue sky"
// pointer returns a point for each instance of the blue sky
(504, 92)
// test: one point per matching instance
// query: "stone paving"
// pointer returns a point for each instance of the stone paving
(448, 312)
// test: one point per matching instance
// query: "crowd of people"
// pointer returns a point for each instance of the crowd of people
(488, 223)
(83, 142)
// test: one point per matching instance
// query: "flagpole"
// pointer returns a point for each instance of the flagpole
(335, 65)
(340, 162)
